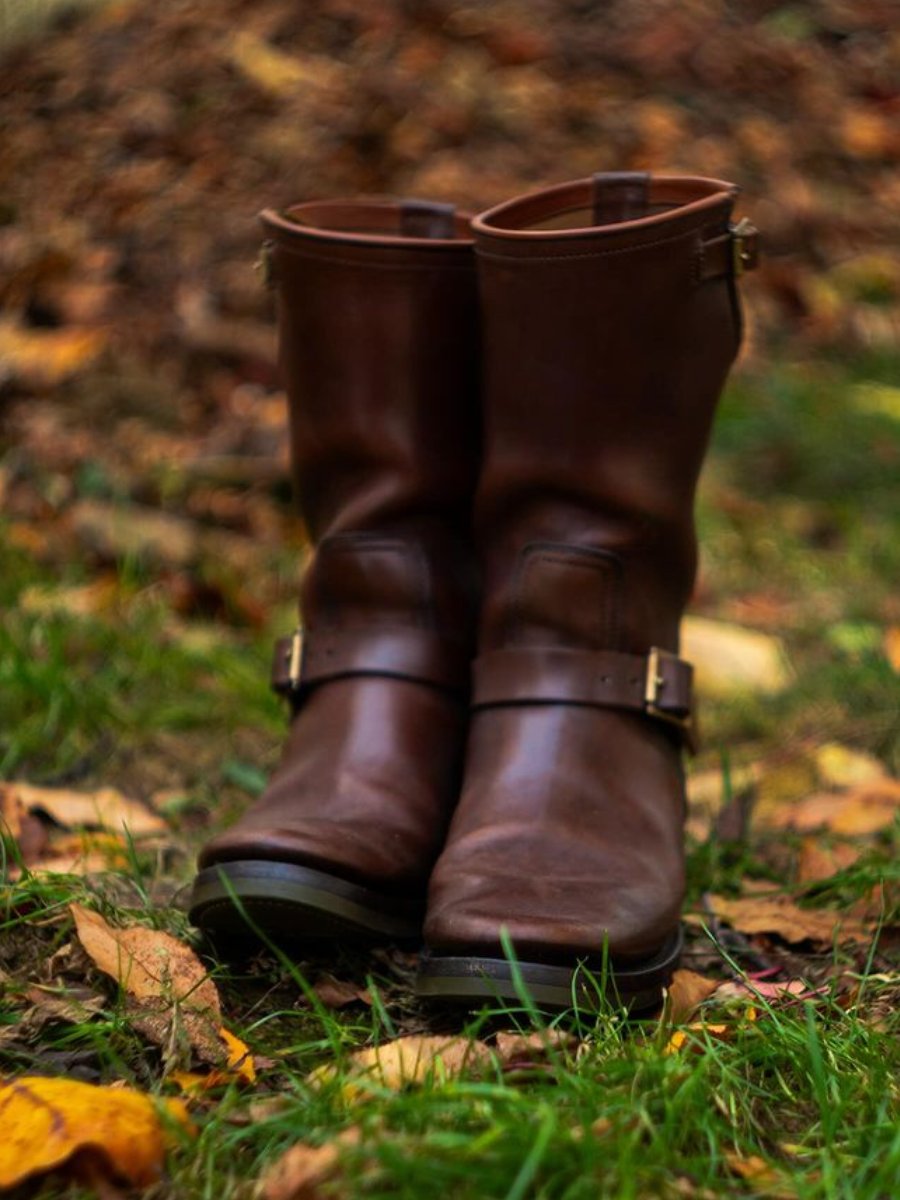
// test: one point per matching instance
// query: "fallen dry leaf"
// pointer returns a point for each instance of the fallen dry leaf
(167, 980)
(862, 810)
(87, 600)
(408, 1061)
(817, 862)
(239, 1060)
(681, 1038)
(106, 808)
(47, 1121)
(892, 645)
(302, 1171)
(515, 1050)
(44, 357)
(73, 1005)
(779, 914)
(685, 994)
(762, 989)
(751, 1167)
(729, 658)
(840, 766)
(335, 993)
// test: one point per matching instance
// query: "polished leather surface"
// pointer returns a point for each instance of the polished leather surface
(378, 332)
(605, 347)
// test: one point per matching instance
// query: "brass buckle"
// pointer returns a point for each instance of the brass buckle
(295, 660)
(654, 683)
(744, 250)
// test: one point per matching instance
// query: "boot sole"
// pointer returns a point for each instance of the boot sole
(291, 903)
(637, 986)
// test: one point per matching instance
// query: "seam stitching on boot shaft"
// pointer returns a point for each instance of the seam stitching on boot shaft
(604, 562)
(566, 257)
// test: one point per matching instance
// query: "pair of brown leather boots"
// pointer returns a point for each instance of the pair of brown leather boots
(497, 425)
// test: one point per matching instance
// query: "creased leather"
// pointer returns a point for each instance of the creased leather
(604, 354)
(379, 351)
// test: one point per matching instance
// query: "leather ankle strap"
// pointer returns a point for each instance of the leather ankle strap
(657, 684)
(420, 655)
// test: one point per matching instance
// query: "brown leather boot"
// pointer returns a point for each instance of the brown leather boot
(610, 320)
(378, 333)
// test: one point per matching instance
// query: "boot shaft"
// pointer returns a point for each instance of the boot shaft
(378, 330)
(610, 322)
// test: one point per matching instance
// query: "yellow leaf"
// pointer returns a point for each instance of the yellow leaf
(730, 659)
(43, 357)
(279, 73)
(408, 1061)
(240, 1059)
(46, 1121)
(719, 1031)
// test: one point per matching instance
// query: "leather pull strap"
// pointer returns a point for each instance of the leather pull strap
(657, 684)
(427, 219)
(416, 654)
(620, 196)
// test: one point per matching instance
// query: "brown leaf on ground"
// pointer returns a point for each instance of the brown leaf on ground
(778, 914)
(817, 862)
(46, 1122)
(336, 993)
(303, 1171)
(166, 979)
(70, 1004)
(862, 810)
(408, 1061)
(753, 1168)
(685, 994)
(515, 1050)
(106, 808)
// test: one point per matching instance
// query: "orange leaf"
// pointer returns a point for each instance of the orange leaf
(819, 862)
(163, 974)
(892, 646)
(686, 993)
(780, 915)
(43, 357)
(240, 1059)
(752, 1167)
(46, 1121)
(303, 1170)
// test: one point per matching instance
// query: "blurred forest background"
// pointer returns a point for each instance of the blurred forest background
(139, 141)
